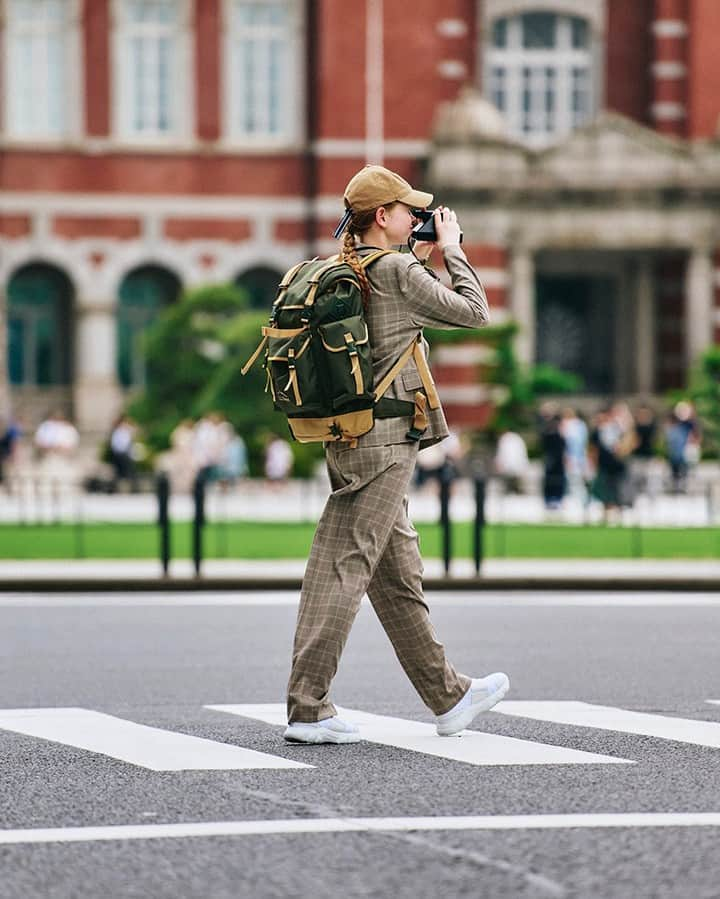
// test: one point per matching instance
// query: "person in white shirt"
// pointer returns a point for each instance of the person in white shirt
(511, 461)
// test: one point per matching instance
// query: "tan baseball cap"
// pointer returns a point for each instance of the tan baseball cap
(376, 186)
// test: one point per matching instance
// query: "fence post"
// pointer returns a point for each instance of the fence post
(163, 498)
(446, 476)
(199, 520)
(479, 529)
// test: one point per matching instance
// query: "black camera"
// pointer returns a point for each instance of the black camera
(425, 228)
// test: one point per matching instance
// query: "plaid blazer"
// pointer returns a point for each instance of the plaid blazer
(405, 296)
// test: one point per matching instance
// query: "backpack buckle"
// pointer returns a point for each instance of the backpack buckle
(415, 434)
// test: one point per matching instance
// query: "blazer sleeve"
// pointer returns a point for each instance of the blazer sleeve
(430, 303)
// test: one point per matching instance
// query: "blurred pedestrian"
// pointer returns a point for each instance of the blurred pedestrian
(278, 460)
(209, 437)
(611, 446)
(553, 444)
(682, 439)
(511, 461)
(643, 456)
(233, 461)
(10, 434)
(180, 460)
(577, 470)
(56, 441)
(440, 460)
(625, 445)
(122, 452)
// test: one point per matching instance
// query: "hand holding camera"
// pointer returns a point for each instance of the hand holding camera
(438, 226)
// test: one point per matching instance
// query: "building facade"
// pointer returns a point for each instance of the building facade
(154, 145)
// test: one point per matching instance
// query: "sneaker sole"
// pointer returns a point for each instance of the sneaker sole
(319, 735)
(469, 715)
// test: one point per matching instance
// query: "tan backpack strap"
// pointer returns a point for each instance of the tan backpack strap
(269, 331)
(416, 351)
(425, 375)
(365, 261)
(287, 280)
(395, 371)
(289, 275)
(315, 279)
(251, 361)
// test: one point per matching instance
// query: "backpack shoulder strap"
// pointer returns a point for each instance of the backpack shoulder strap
(365, 261)
(396, 369)
(414, 350)
(289, 275)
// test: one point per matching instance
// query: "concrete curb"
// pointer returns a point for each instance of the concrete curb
(666, 584)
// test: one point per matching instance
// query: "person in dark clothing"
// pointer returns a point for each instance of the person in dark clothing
(10, 434)
(642, 455)
(553, 449)
(645, 429)
(609, 461)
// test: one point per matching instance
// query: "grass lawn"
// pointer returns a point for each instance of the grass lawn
(289, 540)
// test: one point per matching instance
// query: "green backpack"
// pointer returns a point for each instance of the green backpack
(318, 356)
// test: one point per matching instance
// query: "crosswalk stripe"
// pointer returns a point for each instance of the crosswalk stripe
(585, 714)
(138, 744)
(475, 748)
(713, 701)
(356, 825)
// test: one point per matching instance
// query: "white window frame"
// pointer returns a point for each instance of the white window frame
(562, 59)
(183, 91)
(292, 136)
(73, 86)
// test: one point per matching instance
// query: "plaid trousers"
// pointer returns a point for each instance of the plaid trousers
(365, 543)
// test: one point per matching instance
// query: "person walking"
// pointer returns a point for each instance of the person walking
(553, 449)
(364, 542)
(122, 452)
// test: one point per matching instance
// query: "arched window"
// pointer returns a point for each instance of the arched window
(143, 293)
(39, 326)
(539, 74)
(261, 284)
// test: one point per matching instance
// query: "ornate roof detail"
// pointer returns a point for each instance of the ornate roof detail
(611, 153)
(468, 118)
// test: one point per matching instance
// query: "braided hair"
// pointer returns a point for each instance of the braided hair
(359, 223)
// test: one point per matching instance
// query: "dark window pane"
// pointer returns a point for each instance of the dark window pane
(497, 89)
(550, 97)
(538, 30)
(143, 293)
(580, 33)
(44, 351)
(261, 284)
(499, 33)
(16, 350)
(39, 312)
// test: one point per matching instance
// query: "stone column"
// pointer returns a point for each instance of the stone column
(97, 395)
(522, 303)
(699, 292)
(645, 342)
(625, 334)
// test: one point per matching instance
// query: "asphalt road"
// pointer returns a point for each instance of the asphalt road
(160, 660)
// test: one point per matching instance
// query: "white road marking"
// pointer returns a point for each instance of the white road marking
(475, 747)
(355, 825)
(585, 714)
(138, 744)
(713, 701)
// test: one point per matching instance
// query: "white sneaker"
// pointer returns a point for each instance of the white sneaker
(329, 730)
(484, 693)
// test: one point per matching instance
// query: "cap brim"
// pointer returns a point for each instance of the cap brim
(418, 199)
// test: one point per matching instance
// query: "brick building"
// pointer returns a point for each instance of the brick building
(150, 145)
